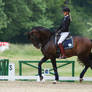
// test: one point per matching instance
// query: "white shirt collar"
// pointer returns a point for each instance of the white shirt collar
(66, 15)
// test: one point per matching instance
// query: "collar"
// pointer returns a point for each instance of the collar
(66, 15)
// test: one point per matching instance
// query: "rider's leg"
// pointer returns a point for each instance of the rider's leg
(62, 50)
(62, 38)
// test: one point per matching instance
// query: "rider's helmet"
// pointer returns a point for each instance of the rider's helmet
(66, 9)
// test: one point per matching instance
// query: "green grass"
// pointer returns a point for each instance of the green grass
(21, 51)
(28, 52)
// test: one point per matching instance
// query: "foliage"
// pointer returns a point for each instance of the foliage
(83, 13)
(3, 17)
(18, 17)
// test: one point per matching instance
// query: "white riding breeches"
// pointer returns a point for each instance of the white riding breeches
(63, 37)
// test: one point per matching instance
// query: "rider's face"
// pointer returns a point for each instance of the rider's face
(66, 13)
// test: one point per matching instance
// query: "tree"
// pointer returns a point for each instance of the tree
(3, 18)
(19, 18)
(81, 14)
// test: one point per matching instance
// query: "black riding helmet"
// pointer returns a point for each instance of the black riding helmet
(66, 9)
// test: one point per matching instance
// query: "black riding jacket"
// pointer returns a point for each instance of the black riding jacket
(64, 27)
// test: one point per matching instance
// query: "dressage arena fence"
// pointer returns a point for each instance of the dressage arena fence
(4, 67)
(45, 71)
(7, 71)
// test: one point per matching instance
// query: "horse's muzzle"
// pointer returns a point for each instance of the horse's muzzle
(38, 46)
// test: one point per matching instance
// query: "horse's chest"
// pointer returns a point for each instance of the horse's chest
(49, 49)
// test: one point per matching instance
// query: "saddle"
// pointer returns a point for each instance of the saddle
(67, 43)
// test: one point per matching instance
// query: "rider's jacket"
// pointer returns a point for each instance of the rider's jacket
(64, 27)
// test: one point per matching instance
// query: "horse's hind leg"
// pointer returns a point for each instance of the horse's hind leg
(55, 68)
(40, 68)
(83, 72)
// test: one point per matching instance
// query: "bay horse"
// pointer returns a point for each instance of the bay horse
(42, 38)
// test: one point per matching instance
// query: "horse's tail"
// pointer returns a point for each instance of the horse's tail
(87, 61)
(90, 57)
(91, 40)
(90, 60)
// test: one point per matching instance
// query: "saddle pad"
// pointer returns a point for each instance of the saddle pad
(68, 43)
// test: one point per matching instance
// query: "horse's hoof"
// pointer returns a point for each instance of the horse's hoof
(81, 80)
(41, 78)
(55, 82)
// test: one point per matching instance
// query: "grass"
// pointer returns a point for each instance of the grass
(28, 52)
(22, 51)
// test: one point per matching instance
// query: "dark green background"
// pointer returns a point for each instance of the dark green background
(18, 17)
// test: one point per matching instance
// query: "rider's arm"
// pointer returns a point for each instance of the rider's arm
(59, 29)
(65, 24)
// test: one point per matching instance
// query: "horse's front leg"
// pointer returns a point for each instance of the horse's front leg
(55, 68)
(40, 68)
(82, 73)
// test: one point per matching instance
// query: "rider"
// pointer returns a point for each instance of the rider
(64, 30)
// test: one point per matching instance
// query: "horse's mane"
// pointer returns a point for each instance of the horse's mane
(41, 28)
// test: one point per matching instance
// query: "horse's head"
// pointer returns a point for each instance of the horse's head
(39, 36)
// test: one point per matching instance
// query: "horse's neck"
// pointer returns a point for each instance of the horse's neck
(44, 41)
(45, 38)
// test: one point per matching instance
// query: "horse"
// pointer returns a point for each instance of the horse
(42, 38)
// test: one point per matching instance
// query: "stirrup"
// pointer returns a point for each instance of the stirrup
(62, 57)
